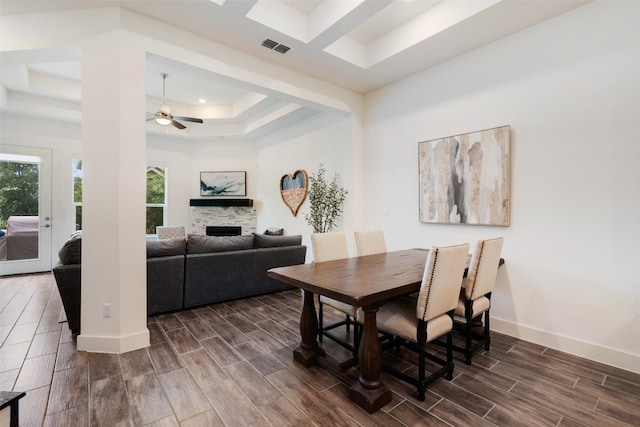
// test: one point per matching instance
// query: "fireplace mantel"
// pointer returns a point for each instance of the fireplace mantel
(221, 202)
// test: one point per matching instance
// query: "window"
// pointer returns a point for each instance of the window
(77, 192)
(156, 203)
(156, 197)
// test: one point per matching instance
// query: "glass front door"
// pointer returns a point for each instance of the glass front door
(25, 210)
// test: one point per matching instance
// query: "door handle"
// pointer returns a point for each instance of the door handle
(45, 226)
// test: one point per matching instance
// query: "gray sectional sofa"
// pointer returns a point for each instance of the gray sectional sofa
(186, 273)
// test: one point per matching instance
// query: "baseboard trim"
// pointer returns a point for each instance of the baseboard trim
(591, 351)
(106, 344)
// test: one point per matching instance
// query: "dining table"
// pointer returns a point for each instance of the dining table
(367, 282)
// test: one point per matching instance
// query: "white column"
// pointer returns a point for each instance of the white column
(113, 198)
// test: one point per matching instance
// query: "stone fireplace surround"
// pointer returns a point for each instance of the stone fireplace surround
(203, 216)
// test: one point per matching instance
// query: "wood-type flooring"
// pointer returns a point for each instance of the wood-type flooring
(231, 364)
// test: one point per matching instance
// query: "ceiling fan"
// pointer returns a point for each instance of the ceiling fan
(163, 116)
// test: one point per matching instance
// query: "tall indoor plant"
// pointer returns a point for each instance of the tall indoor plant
(326, 200)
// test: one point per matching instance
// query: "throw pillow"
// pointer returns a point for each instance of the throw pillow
(274, 231)
(71, 251)
(266, 241)
(197, 244)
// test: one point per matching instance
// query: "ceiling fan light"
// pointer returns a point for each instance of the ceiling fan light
(163, 121)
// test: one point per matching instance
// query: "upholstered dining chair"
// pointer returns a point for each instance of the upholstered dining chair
(329, 247)
(475, 297)
(370, 242)
(414, 322)
(170, 232)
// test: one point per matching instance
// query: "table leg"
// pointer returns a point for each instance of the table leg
(369, 392)
(308, 349)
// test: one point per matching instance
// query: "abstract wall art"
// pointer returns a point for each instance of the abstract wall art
(465, 179)
(223, 183)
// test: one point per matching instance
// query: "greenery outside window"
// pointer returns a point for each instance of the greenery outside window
(156, 202)
(156, 197)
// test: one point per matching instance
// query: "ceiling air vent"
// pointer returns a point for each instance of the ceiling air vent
(281, 48)
(270, 44)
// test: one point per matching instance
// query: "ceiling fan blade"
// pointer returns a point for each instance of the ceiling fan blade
(151, 118)
(178, 124)
(188, 119)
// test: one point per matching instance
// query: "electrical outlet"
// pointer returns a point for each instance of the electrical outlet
(106, 310)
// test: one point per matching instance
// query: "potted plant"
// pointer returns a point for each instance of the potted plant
(325, 199)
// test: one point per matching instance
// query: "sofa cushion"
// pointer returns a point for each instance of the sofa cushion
(165, 247)
(197, 244)
(266, 241)
(274, 231)
(71, 251)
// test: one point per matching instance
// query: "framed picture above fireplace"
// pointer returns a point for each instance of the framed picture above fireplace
(223, 183)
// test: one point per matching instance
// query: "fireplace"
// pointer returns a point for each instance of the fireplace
(227, 230)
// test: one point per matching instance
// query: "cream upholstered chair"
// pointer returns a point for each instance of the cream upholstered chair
(370, 242)
(475, 297)
(329, 247)
(170, 232)
(416, 321)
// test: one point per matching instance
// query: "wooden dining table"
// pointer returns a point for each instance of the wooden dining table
(367, 282)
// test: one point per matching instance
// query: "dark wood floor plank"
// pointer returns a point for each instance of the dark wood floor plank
(203, 368)
(70, 357)
(255, 386)
(147, 399)
(103, 365)
(409, 414)
(280, 332)
(336, 417)
(228, 332)
(8, 379)
(622, 385)
(503, 417)
(164, 358)
(473, 403)
(242, 323)
(281, 412)
(78, 416)
(36, 372)
(299, 392)
(540, 370)
(206, 419)
(567, 407)
(135, 363)
(185, 396)
(199, 329)
(49, 324)
(69, 388)
(220, 351)
(515, 404)
(12, 355)
(42, 344)
(169, 321)
(156, 333)
(558, 364)
(32, 407)
(457, 415)
(619, 411)
(232, 405)
(109, 404)
(21, 333)
(182, 340)
(596, 366)
(259, 358)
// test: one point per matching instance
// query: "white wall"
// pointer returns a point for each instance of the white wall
(569, 89)
(331, 145)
